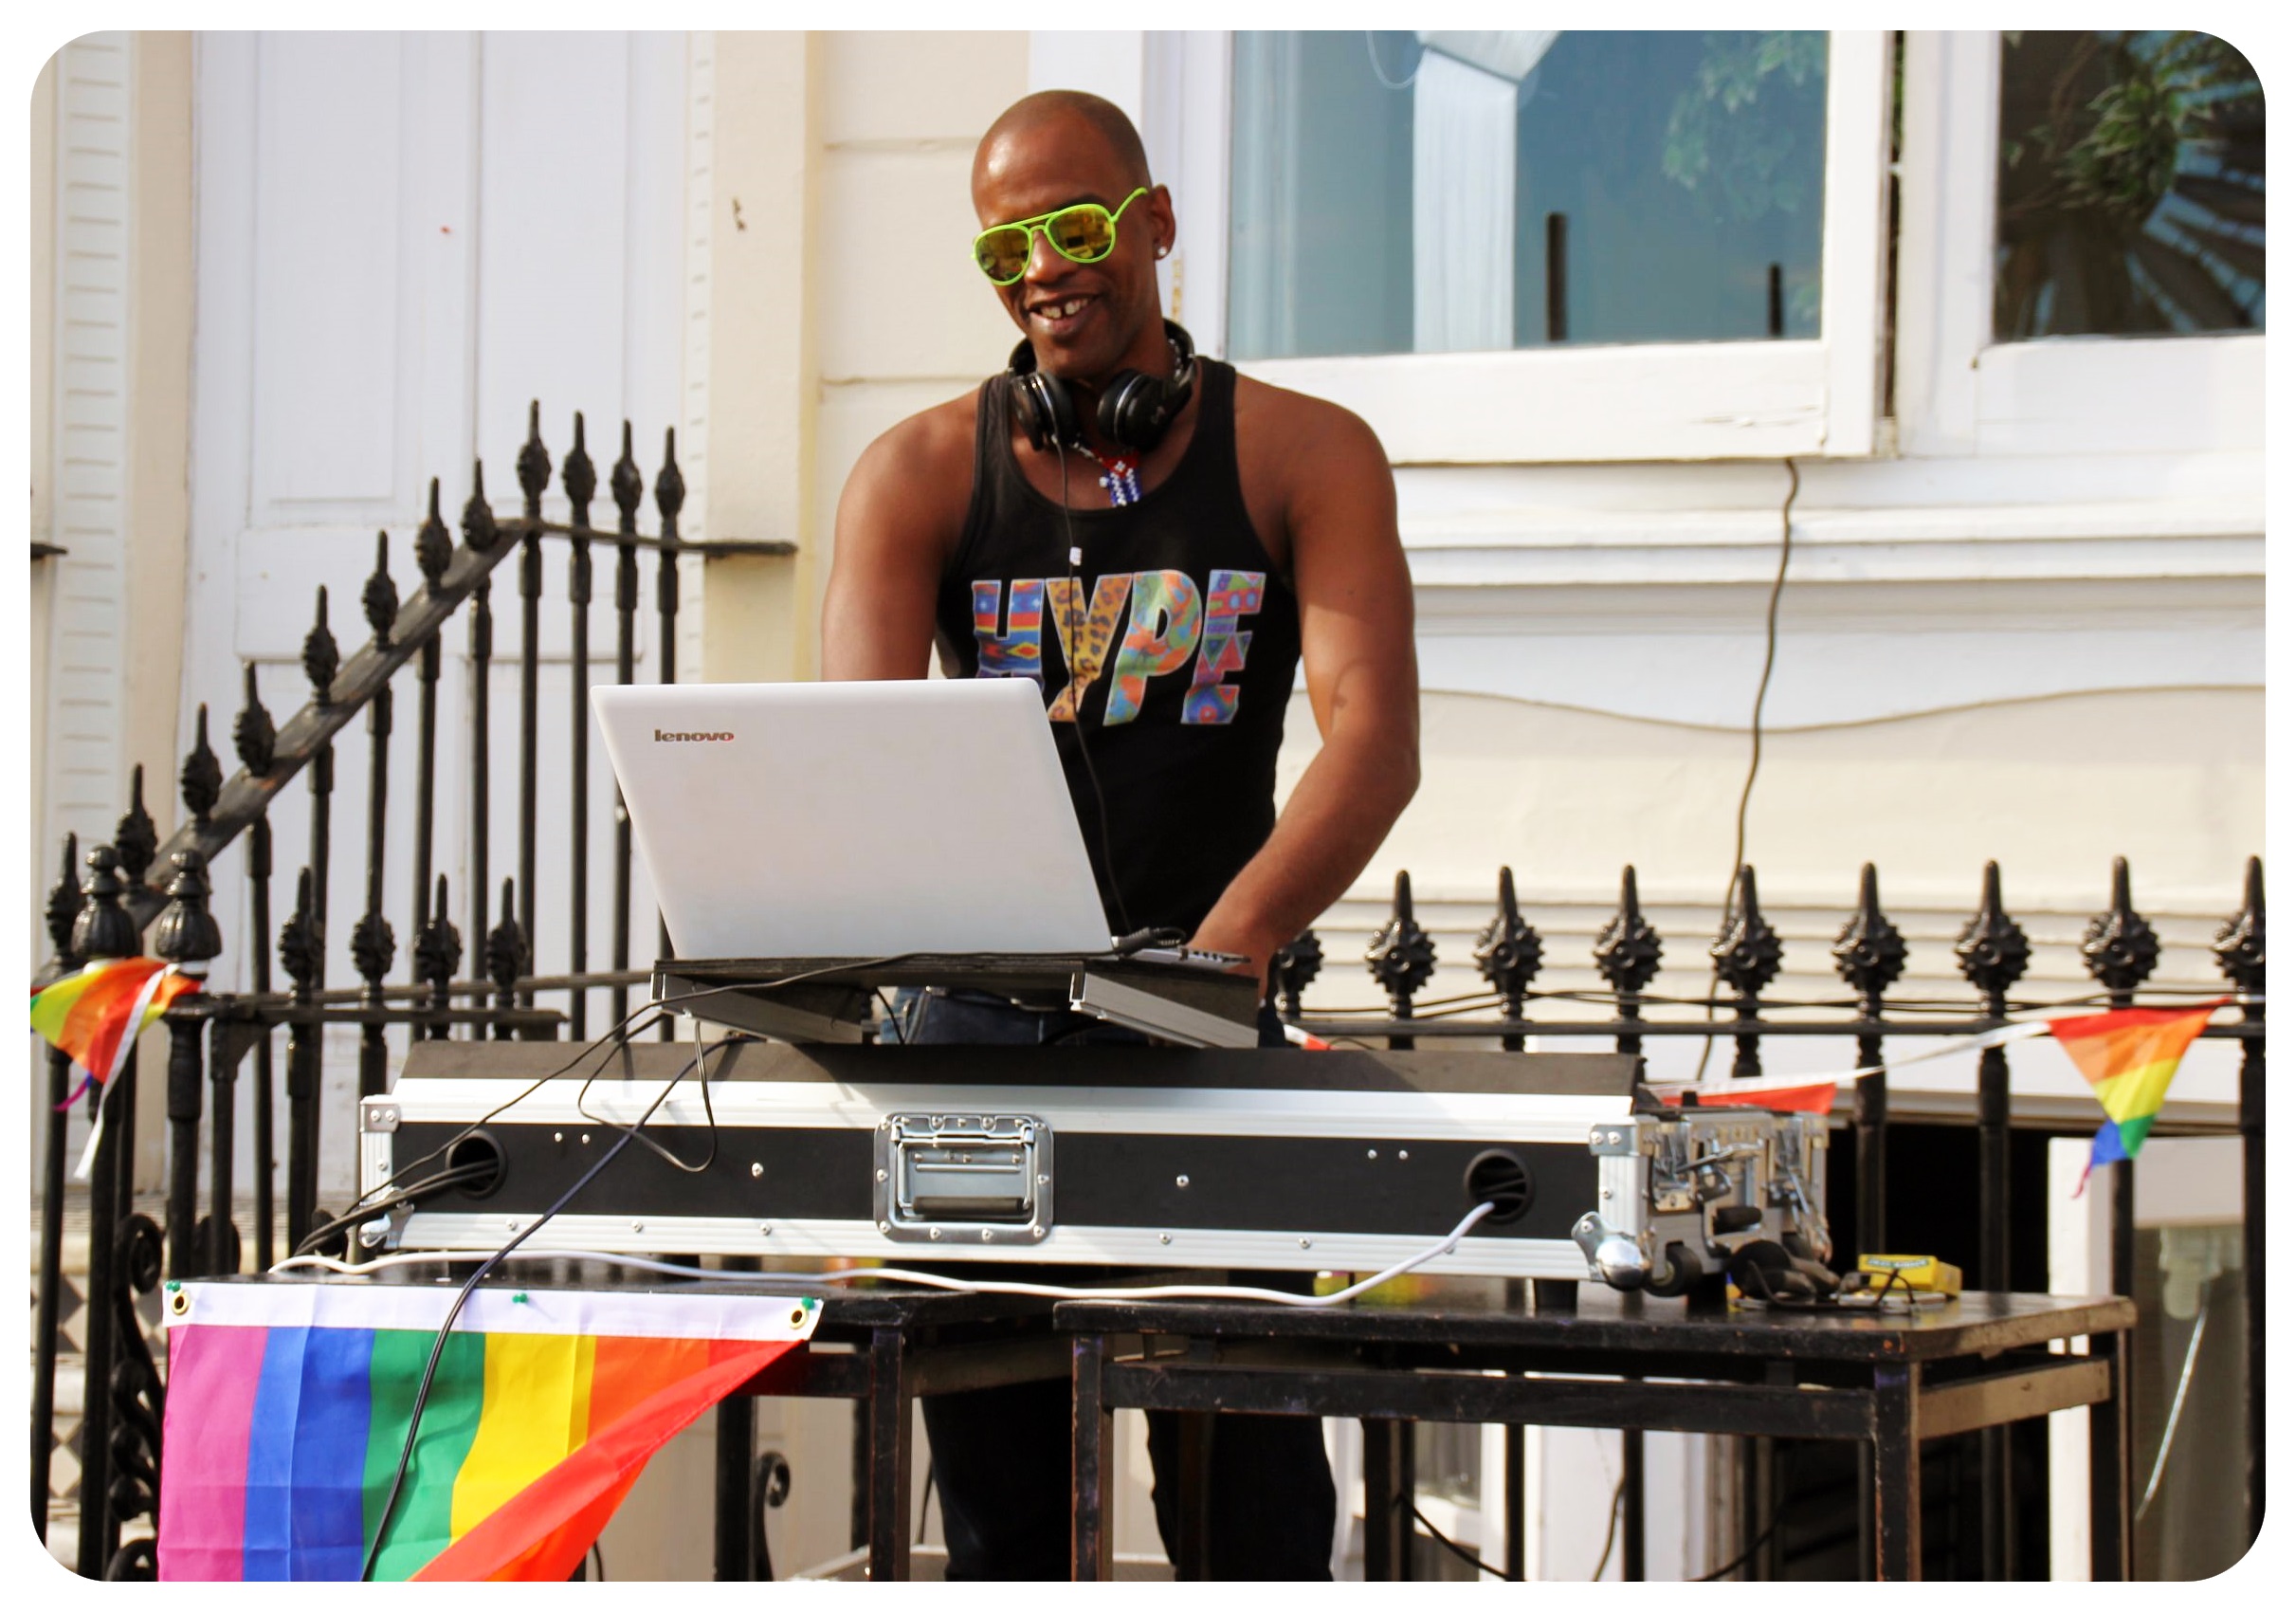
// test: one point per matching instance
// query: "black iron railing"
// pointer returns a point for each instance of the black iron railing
(486, 985)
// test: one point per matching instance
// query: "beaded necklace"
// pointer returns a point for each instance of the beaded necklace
(1120, 476)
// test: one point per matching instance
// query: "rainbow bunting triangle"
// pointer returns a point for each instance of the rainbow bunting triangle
(288, 1405)
(2128, 1057)
(95, 1013)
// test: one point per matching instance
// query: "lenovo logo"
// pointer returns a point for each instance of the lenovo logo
(662, 738)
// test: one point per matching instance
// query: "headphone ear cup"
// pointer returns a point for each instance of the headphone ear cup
(1136, 408)
(1042, 409)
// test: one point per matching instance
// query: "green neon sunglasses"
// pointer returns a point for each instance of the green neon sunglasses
(1082, 234)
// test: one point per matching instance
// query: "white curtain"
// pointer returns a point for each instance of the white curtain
(1463, 187)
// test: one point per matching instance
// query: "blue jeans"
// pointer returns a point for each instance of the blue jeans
(1001, 1455)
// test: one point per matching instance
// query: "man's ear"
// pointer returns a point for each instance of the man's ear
(1167, 226)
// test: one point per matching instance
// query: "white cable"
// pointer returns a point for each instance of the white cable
(920, 1278)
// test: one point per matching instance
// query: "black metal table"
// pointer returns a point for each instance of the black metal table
(1457, 1351)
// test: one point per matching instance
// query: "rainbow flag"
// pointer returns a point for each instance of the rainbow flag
(288, 1403)
(97, 1013)
(2128, 1056)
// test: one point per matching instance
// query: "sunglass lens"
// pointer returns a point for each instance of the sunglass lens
(1003, 253)
(1085, 233)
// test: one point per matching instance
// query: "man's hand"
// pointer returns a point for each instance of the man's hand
(1337, 512)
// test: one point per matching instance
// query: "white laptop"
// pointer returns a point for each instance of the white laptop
(853, 819)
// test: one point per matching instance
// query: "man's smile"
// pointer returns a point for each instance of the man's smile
(1061, 315)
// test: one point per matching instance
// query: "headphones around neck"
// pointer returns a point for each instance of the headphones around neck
(1135, 409)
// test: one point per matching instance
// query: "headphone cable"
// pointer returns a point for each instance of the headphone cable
(1075, 638)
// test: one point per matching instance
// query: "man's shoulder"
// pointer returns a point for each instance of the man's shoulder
(937, 438)
(1279, 420)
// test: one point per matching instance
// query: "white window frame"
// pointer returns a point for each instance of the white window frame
(1961, 392)
(1689, 400)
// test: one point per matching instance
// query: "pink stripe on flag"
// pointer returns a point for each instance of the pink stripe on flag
(212, 1373)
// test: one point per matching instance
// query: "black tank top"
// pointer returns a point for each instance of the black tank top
(1184, 641)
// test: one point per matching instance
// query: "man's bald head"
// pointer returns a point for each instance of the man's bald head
(1055, 114)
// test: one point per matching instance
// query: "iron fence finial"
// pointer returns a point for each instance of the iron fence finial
(301, 941)
(627, 483)
(187, 934)
(2239, 943)
(103, 927)
(1508, 952)
(1401, 956)
(202, 774)
(252, 733)
(1747, 952)
(1869, 954)
(478, 529)
(1627, 949)
(137, 838)
(2118, 947)
(578, 476)
(379, 598)
(433, 548)
(1297, 963)
(64, 907)
(1990, 949)
(669, 486)
(534, 462)
(322, 658)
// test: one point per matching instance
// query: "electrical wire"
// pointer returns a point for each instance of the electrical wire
(429, 1186)
(890, 1274)
(1746, 1555)
(2176, 1409)
(1076, 714)
(1610, 1537)
(669, 1158)
(1754, 729)
(1453, 1546)
(492, 1261)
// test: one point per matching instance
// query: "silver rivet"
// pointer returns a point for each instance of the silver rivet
(1163, 1236)
(756, 1170)
(1371, 1152)
(1606, 1192)
(1305, 1244)
(1044, 1181)
(986, 1236)
(557, 1136)
(765, 1231)
(1182, 1181)
(511, 1225)
(586, 1139)
(933, 1234)
(881, 1175)
(1036, 1231)
(637, 1225)
(1403, 1152)
(882, 1227)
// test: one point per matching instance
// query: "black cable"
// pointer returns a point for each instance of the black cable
(599, 1556)
(1761, 693)
(1075, 643)
(669, 1158)
(1745, 1556)
(925, 1506)
(487, 1268)
(429, 1186)
(1459, 1550)
(1610, 1535)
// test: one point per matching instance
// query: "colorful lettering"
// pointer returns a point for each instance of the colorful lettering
(1167, 619)
(1099, 623)
(1017, 652)
(1235, 594)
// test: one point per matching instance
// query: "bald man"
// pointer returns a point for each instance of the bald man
(1160, 544)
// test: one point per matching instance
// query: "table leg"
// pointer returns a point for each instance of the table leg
(1388, 1494)
(1517, 1546)
(1195, 1496)
(737, 1435)
(1631, 1521)
(2111, 1536)
(890, 1454)
(1092, 1547)
(1896, 1499)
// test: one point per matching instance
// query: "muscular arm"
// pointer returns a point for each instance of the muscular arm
(896, 523)
(1362, 681)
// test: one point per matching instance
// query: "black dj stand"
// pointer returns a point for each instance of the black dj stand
(1889, 1380)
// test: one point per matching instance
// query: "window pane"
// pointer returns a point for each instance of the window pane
(1434, 191)
(2131, 192)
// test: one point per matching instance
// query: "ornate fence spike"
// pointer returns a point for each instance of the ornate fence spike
(300, 939)
(1297, 963)
(1508, 951)
(64, 907)
(1992, 949)
(578, 476)
(534, 462)
(379, 598)
(102, 927)
(506, 956)
(669, 486)
(202, 776)
(438, 953)
(1747, 953)
(321, 659)
(478, 530)
(1627, 949)
(187, 931)
(2119, 948)
(137, 838)
(252, 733)
(1869, 954)
(1401, 956)
(2239, 945)
(374, 945)
(433, 548)
(629, 483)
